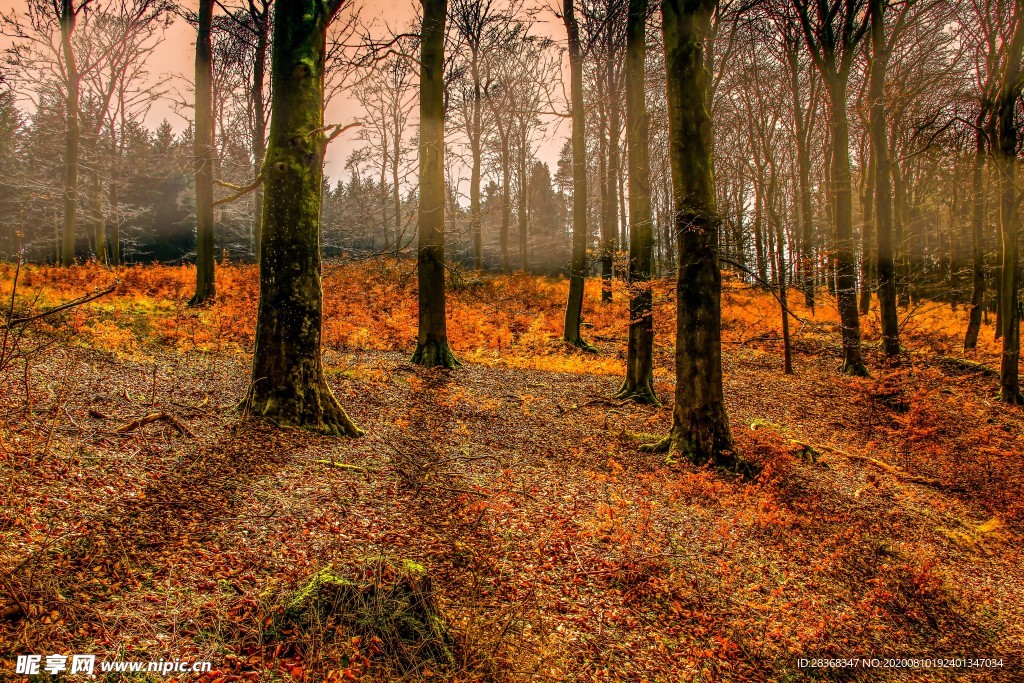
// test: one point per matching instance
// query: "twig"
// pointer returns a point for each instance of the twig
(241, 190)
(63, 307)
(156, 417)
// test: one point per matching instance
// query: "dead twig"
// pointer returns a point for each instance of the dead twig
(181, 427)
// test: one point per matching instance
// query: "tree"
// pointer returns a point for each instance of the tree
(482, 28)
(832, 30)
(883, 184)
(639, 382)
(204, 156)
(432, 349)
(700, 424)
(1006, 161)
(288, 384)
(578, 267)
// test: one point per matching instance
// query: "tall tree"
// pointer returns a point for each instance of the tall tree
(68, 18)
(700, 424)
(639, 382)
(578, 267)
(432, 349)
(883, 183)
(1009, 220)
(832, 30)
(288, 384)
(204, 156)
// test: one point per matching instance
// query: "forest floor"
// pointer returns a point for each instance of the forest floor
(556, 550)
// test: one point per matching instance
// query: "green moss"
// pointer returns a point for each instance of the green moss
(390, 601)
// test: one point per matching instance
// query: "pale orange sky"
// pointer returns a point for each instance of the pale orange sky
(175, 57)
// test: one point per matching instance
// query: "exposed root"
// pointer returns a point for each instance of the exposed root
(315, 409)
(727, 460)
(435, 355)
(1011, 396)
(629, 391)
(854, 368)
(583, 345)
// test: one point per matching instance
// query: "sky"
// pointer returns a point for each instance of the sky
(175, 57)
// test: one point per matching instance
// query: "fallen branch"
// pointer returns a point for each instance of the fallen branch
(156, 417)
(341, 465)
(897, 472)
(967, 365)
(810, 452)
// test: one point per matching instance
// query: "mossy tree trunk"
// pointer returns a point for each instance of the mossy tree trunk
(700, 424)
(639, 382)
(288, 384)
(432, 348)
(68, 17)
(578, 266)
(883, 185)
(203, 146)
(1006, 150)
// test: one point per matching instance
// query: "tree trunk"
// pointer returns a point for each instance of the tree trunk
(396, 193)
(1009, 306)
(977, 235)
(71, 134)
(639, 381)
(867, 264)
(288, 384)
(883, 186)
(432, 348)
(204, 156)
(99, 219)
(476, 148)
(506, 200)
(259, 136)
(608, 212)
(578, 267)
(846, 264)
(700, 425)
(523, 209)
(806, 213)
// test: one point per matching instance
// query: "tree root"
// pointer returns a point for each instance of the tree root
(854, 369)
(435, 354)
(629, 391)
(727, 460)
(582, 345)
(316, 410)
(1011, 397)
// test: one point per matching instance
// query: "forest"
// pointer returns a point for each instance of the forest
(511, 340)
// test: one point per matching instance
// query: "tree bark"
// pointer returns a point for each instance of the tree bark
(639, 381)
(883, 185)
(578, 267)
(204, 160)
(432, 348)
(700, 424)
(288, 384)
